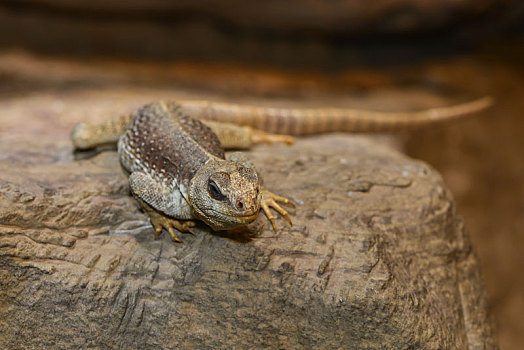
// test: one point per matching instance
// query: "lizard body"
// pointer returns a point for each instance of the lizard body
(178, 171)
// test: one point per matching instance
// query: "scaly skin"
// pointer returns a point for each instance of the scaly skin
(178, 171)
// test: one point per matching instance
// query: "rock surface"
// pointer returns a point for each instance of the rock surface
(377, 257)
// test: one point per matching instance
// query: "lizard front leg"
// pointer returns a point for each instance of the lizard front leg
(160, 204)
(161, 221)
(270, 200)
(233, 136)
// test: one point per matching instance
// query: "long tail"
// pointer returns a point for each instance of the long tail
(85, 136)
(312, 121)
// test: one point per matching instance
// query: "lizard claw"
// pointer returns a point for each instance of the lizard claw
(162, 222)
(270, 200)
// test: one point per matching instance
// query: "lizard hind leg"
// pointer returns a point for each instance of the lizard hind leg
(157, 201)
(259, 136)
(233, 136)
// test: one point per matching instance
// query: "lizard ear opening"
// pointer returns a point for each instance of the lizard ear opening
(214, 191)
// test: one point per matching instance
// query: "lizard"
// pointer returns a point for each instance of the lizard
(178, 172)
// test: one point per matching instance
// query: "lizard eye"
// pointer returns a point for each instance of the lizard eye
(214, 191)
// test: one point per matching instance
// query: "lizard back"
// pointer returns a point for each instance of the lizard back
(167, 144)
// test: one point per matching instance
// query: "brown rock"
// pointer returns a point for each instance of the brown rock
(377, 257)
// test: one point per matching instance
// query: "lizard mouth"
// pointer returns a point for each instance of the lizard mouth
(246, 218)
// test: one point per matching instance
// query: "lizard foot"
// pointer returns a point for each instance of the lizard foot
(263, 137)
(270, 200)
(160, 222)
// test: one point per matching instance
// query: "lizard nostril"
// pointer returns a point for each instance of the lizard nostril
(240, 205)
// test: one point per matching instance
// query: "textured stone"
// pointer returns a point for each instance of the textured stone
(377, 257)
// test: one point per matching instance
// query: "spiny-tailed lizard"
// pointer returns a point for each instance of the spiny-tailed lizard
(174, 153)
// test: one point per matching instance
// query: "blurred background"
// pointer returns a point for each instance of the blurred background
(381, 55)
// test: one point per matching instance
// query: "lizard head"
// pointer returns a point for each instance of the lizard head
(225, 194)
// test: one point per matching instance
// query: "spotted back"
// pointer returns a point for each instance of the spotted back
(167, 144)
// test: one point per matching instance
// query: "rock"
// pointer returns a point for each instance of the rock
(377, 257)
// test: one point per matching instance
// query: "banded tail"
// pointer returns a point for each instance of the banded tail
(296, 121)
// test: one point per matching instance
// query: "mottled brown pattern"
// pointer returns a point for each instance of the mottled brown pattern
(171, 144)
(198, 131)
